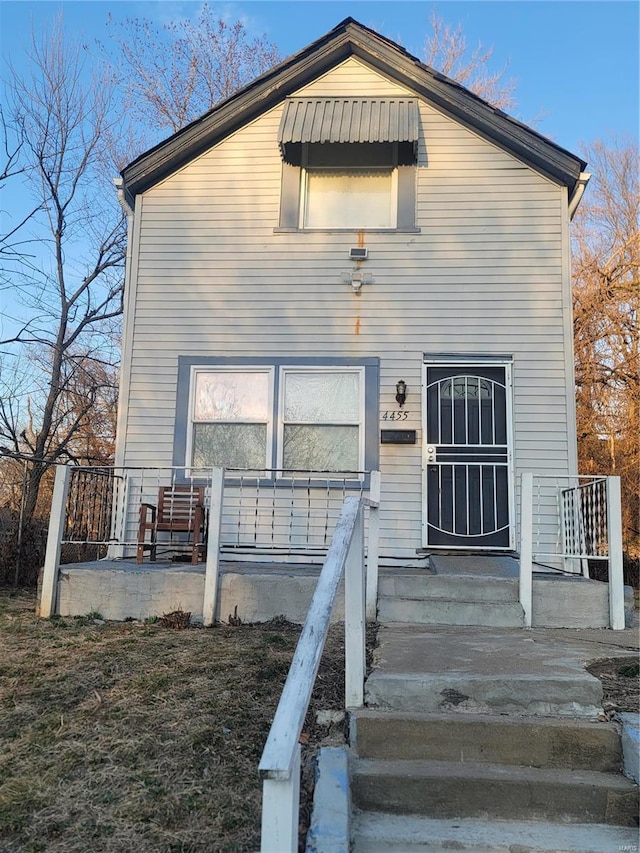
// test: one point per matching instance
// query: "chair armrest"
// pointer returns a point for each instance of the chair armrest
(144, 509)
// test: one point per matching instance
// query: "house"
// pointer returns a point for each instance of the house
(354, 264)
(349, 224)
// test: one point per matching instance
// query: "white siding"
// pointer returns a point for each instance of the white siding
(353, 79)
(483, 276)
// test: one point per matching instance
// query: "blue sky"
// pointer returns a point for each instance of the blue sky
(576, 63)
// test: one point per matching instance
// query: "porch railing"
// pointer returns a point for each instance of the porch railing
(252, 515)
(271, 510)
(280, 763)
(565, 522)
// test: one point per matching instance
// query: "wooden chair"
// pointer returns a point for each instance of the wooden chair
(180, 509)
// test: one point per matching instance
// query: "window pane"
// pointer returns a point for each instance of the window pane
(322, 397)
(465, 387)
(349, 199)
(231, 396)
(229, 445)
(321, 448)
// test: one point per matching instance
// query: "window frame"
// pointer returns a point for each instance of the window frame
(361, 424)
(191, 419)
(183, 423)
(306, 171)
(293, 193)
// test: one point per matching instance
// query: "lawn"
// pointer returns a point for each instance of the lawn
(122, 737)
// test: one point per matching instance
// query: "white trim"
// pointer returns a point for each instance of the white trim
(130, 293)
(57, 516)
(292, 368)
(511, 475)
(464, 362)
(567, 328)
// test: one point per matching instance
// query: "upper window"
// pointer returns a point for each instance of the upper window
(348, 163)
(348, 186)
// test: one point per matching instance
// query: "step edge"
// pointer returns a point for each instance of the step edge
(428, 769)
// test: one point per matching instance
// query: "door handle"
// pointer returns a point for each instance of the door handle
(431, 454)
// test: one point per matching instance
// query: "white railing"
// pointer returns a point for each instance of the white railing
(282, 510)
(266, 511)
(257, 515)
(280, 763)
(565, 522)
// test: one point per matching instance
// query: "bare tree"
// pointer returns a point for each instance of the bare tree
(606, 296)
(70, 292)
(12, 166)
(445, 49)
(175, 73)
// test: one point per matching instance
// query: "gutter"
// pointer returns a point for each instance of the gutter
(127, 204)
(578, 192)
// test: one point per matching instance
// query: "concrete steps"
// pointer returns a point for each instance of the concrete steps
(530, 741)
(442, 789)
(422, 598)
(481, 736)
(376, 832)
(492, 671)
(446, 766)
(438, 611)
(422, 584)
(436, 782)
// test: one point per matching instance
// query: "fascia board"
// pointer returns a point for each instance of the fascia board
(223, 120)
(473, 112)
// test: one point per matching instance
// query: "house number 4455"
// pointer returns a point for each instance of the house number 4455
(394, 416)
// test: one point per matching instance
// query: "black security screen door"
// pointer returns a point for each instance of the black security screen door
(467, 457)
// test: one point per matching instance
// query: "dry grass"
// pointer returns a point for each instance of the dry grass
(134, 737)
(620, 683)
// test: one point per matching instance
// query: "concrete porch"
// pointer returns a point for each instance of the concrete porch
(450, 590)
(252, 592)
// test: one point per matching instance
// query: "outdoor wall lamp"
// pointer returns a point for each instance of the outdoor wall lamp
(401, 392)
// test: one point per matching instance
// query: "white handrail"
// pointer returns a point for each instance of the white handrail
(614, 548)
(280, 763)
(373, 546)
(526, 547)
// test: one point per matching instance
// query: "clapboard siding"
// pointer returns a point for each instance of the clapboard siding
(352, 78)
(483, 275)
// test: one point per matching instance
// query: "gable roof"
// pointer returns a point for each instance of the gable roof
(351, 38)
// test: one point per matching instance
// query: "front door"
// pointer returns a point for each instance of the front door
(467, 455)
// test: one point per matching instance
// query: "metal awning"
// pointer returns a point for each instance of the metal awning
(354, 120)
